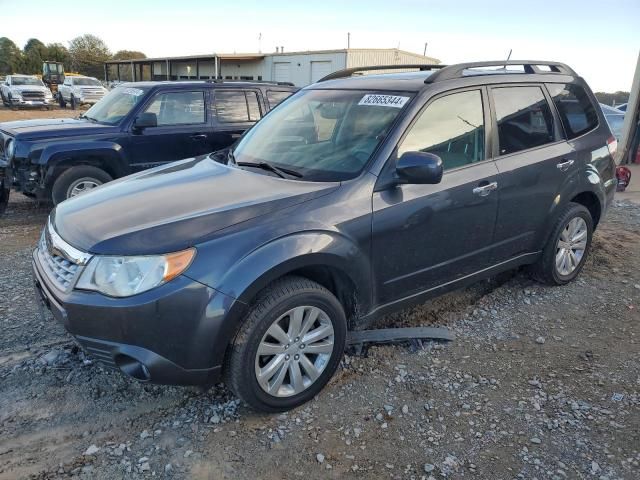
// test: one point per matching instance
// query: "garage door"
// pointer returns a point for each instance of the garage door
(319, 70)
(282, 71)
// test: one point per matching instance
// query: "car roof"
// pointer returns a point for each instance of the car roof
(212, 84)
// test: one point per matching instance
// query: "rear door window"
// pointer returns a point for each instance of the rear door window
(237, 106)
(276, 96)
(524, 118)
(577, 113)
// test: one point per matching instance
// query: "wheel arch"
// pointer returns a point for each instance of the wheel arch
(107, 156)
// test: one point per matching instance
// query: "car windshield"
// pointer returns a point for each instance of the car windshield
(87, 81)
(322, 135)
(115, 105)
(26, 81)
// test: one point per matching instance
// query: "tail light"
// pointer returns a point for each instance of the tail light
(612, 145)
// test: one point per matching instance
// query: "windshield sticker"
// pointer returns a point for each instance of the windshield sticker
(394, 101)
(136, 92)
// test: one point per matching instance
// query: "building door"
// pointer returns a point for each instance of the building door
(282, 71)
(320, 69)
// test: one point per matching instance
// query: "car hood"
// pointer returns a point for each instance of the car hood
(174, 207)
(29, 88)
(52, 128)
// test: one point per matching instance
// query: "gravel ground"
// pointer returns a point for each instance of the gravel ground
(540, 382)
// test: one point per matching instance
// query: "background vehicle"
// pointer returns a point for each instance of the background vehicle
(622, 107)
(136, 126)
(355, 198)
(615, 119)
(25, 90)
(80, 90)
(53, 75)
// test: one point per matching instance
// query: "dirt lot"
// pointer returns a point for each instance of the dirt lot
(8, 115)
(540, 383)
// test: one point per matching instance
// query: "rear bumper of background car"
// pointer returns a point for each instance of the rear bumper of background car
(168, 335)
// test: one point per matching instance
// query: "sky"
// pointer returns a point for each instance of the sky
(599, 39)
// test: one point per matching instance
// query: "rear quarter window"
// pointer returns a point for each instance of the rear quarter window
(577, 113)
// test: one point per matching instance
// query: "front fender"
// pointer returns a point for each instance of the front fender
(57, 154)
(253, 272)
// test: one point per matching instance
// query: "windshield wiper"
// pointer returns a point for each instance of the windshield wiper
(91, 119)
(281, 172)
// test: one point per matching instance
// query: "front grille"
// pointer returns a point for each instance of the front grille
(59, 270)
(32, 95)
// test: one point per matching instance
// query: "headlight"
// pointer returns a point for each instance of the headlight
(126, 276)
(16, 93)
(10, 148)
(48, 94)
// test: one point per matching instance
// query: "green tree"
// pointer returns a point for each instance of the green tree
(88, 54)
(11, 60)
(56, 52)
(128, 55)
(34, 53)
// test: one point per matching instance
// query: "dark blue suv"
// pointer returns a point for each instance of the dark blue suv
(355, 197)
(134, 127)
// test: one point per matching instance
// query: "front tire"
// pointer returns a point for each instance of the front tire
(61, 101)
(76, 181)
(289, 346)
(567, 248)
(73, 102)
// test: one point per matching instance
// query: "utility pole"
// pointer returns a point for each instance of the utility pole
(348, 40)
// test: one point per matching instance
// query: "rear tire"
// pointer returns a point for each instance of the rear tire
(567, 248)
(73, 103)
(302, 369)
(74, 178)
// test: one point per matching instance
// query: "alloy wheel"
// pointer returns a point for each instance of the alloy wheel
(82, 186)
(294, 351)
(571, 246)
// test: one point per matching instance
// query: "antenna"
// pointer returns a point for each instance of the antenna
(348, 40)
(508, 58)
(259, 42)
(424, 54)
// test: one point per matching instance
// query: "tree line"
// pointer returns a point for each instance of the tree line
(85, 54)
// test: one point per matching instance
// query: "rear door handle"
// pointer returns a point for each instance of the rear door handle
(485, 190)
(564, 166)
(199, 136)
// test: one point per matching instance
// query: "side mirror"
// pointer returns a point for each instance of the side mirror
(419, 167)
(145, 120)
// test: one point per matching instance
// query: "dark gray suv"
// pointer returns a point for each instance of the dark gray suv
(355, 197)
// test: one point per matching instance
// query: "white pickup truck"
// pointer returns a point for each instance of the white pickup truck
(78, 90)
(25, 90)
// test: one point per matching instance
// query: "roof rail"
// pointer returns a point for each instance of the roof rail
(530, 66)
(348, 72)
(268, 82)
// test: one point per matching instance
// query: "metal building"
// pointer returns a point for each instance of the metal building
(299, 68)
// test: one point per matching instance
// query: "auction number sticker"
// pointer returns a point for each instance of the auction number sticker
(373, 99)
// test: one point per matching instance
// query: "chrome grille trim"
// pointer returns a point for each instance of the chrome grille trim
(61, 262)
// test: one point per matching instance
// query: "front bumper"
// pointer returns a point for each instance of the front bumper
(173, 334)
(19, 102)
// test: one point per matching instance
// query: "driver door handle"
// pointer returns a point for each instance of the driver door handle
(199, 136)
(564, 166)
(485, 190)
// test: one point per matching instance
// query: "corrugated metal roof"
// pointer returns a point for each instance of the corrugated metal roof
(259, 56)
